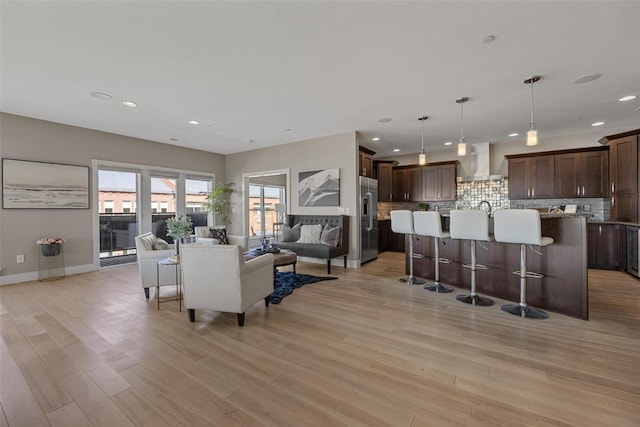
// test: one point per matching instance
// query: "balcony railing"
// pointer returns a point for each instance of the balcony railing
(118, 230)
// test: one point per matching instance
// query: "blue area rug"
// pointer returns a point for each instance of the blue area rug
(286, 282)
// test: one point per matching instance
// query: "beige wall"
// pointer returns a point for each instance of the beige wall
(336, 151)
(29, 139)
(498, 151)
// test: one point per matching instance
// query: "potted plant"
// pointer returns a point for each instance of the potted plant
(423, 206)
(219, 200)
(179, 227)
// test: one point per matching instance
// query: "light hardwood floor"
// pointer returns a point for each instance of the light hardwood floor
(364, 350)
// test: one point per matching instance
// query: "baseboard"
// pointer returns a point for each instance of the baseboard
(32, 276)
(339, 262)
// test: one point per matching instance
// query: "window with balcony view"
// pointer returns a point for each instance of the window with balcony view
(262, 215)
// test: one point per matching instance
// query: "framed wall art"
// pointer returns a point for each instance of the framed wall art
(37, 185)
(319, 188)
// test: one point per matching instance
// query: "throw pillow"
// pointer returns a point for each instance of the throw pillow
(160, 245)
(220, 234)
(330, 235)
(310, 233)
(148, 240)
(290, 234)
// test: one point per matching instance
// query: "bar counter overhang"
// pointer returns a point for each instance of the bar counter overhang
(563, 289)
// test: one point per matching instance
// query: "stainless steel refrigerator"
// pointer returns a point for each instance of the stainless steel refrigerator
(368, 219)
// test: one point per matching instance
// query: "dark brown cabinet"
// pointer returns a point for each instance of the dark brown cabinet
(606, 246)
(366, 162)
(384, 230)
(531, 177)
(623, 164)
(385, 181)
(407, 184)
(439, 182)
(582, 174)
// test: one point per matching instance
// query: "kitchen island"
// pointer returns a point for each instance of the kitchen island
(563, 289)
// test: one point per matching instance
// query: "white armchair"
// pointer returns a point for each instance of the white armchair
(216, 277)
(203, 235)
(148, 259)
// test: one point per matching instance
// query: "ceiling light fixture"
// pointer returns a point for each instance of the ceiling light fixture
(194, 122)
(587, 78)
(129, 104)
(102, 95)
(462, 146)
(375, 139)
(597, 123)
(513, 134)
(627, 98)
(532, 135)
(395, 150)
(448, 143)
(422, 159)
(385, 120)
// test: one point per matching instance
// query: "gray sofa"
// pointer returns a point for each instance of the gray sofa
(318, 250)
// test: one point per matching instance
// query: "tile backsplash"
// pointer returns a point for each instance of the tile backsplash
(496, 193)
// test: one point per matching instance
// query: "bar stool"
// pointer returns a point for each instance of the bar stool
(521, 226)
(429, 224)
(472, 225)
(402, 222)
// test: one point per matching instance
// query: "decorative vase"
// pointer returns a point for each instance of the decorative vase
(52, 249)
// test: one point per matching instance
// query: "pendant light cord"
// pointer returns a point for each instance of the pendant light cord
(462, 122)
(422, 136)
(532, 124)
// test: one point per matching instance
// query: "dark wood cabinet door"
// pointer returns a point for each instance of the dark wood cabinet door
(594, 174)
(542, 177)
(606, 246)
(384, 229)
(366, 165)
(415, 184)
(567, 168)
(430, 183)
(448, 175)
(385, 182)
(400, 185)
(519, 178)
(623, 161)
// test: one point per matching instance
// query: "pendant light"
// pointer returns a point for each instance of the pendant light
(532, 135)
(422, 159)
(462, 146)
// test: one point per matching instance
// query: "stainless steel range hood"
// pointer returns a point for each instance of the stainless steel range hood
(480, 164)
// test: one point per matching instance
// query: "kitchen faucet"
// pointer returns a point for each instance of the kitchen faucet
(485, 202)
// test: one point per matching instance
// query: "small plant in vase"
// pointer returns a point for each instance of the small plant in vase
(50, 246)
(423, 206)
(179, 227)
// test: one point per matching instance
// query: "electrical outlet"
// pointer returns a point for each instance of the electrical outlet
(19, 259)
(587, 208)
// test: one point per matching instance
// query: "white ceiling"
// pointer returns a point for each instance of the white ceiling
(251, 70)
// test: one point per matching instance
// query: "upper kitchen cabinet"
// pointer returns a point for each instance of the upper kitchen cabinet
(407, 184)
(439, 181)
(366, 162)
(384, 171)
(582, 173)
(623, 165)
(531, 176)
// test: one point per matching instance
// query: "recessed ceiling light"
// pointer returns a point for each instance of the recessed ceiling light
(129, 104)
(194, 122)
(513, 134)
(395, 150)
(627, 98)
(488, 39)
(587, 78)
(251, 141)
(173, 139)
(375, 139)
(385, 120)
(102, 95)
(597, 123)
(287, 130)
(448, 143)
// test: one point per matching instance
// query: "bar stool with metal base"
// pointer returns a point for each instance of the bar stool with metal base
(472, 225)
(402, 223)
(429, 224)
(521, 226)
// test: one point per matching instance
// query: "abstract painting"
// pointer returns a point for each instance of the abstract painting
(319, 188)
(37, 185)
